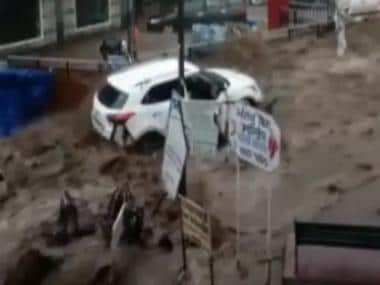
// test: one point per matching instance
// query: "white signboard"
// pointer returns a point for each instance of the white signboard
(255, 137)
(201, 128)
(175, 151)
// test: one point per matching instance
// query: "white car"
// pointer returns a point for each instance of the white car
(138, 97)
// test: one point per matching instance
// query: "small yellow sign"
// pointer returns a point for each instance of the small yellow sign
(196, 223)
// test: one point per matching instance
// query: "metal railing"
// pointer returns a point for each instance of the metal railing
(77, 64)
(56, 63)
(310, 14)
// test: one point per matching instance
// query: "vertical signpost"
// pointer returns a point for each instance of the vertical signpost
(176, 148)
(175, 151)
(195, 221)
(181, 77)
(237, 210)
(256, 138)
(175, 156)
(269, 236)
(181, 43)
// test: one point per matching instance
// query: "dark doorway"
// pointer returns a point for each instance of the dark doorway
(91, 12)
(19, 20)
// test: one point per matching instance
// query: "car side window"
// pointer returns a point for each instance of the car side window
(160, 93)
(199, 88)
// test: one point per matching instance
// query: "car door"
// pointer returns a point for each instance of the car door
(155, 107)
(200, 89)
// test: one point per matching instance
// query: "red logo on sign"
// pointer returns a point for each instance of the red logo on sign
(272, 146)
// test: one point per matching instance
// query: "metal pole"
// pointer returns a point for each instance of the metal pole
(211, 265)
(237, 209)
(130, 26)
(269, 236)
(181, 76)
(183, 241)
(181, 43)
(211, 253)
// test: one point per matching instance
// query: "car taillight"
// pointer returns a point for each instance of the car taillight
(120, 117)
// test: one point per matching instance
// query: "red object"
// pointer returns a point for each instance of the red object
(273, 146)
(278, 13)
(121, 117)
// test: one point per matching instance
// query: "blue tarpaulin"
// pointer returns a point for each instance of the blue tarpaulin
(24, 95)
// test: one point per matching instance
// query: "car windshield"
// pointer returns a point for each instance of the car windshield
(112, 98)
(215, 79)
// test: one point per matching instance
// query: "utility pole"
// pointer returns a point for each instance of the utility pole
(131, 20)
(181, 74)
(181, 42)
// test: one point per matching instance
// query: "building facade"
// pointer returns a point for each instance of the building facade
(34, 23)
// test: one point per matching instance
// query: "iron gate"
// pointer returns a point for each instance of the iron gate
(311, 14)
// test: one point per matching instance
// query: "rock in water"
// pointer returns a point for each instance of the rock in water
(105, 275)
(5, 192)
(31, 268)
(165, 243)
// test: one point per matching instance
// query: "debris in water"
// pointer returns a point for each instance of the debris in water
(334, 189)
(31, 268)
(68, 217)
(368, 132)
(364, 166)
(155, 179)
(242, 270)
(165, 243)
(106, 275)
(313, 124)
(73, 222)
(5, 192)
(112, 165)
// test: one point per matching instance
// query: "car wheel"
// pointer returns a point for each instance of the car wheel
(150, 143)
